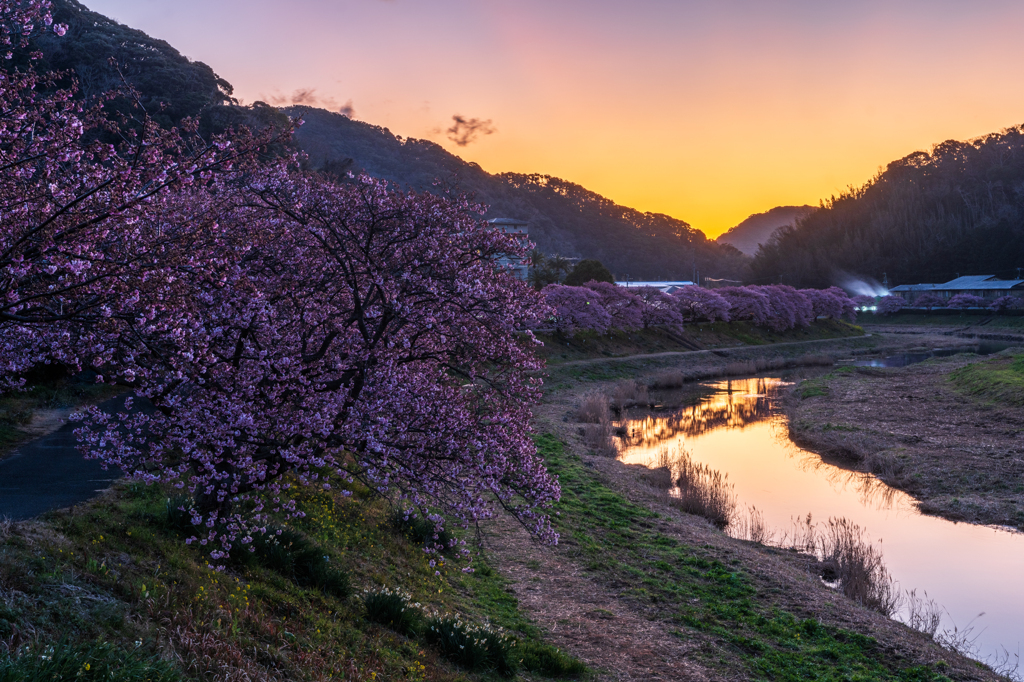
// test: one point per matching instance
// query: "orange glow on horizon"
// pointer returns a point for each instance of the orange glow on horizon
(706, 113)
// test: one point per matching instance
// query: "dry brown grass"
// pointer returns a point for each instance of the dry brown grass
(923, 614)
(628, 393)
(847, 559)
(752, 527)
(598, 437)
(593, 408)
(703, 491)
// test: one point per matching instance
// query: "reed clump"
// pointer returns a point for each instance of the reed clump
(627, 394)
(593, 408)
(856, 567)
(704, 491)
(599, 438)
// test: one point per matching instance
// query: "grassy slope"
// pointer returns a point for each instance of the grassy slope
(586, 345)
(744, 635)
(115, 571)
(998, 381)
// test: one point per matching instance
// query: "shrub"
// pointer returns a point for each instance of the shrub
(546, 660)
(420, 529)
(292, 555)
(101, 662)
(394, 609)
(472, 646)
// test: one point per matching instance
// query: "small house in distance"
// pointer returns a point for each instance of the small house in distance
(985, 286)
(517, 228)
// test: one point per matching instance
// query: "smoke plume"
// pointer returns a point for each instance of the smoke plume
(467, 130)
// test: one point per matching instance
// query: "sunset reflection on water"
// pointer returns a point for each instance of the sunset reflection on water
(737, 427)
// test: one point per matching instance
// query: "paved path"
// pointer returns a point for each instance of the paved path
(49, 473)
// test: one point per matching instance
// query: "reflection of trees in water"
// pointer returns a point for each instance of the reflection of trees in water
(734, 405)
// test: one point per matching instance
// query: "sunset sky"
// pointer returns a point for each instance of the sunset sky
(708, 111)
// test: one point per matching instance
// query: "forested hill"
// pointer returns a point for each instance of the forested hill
(564, 217)
(171, 85)
(758, 228)
(926, 218)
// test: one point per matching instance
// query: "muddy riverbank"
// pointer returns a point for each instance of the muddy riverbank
(961, 458)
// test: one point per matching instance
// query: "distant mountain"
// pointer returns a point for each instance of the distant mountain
(755, 230)
(563, 217)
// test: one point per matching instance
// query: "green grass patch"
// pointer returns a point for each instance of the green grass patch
(119, 571)
(90, 662)
(712, 601)
(998, 380)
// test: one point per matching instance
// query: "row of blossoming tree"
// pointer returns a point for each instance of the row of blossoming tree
(600, 307)
(888, 305)
(282, 329)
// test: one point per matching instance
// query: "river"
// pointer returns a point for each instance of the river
(737, 427)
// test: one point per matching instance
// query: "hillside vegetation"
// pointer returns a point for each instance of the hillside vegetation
(926, 218)
(563, 217)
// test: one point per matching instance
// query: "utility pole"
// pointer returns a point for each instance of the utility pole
(885, 280)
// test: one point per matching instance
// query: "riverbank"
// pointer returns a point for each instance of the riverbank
(960, 456)
(642, 591)
(558, 349)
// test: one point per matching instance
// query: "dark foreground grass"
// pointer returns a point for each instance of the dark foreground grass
(718, 604)
(999, 380)
(118, 572)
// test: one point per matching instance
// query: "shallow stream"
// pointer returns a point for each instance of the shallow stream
(737, 427)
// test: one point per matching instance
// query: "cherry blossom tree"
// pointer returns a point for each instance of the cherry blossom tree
(624, 307)
(83, 221)
(962, 301)
(788, 307)
(863, 301)
(660, 309)
(929, 300)
(887, 305)
(1005, 303)
(697, 304)
(747, 303)
(826, 302)
(363, 333)
(576, 309)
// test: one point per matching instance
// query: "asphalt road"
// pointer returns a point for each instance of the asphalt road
(49, 473)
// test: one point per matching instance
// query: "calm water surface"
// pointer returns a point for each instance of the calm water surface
(735, 426)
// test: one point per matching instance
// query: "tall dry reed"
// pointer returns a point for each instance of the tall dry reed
(593, 408)
(703, 491)
(856, 566)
